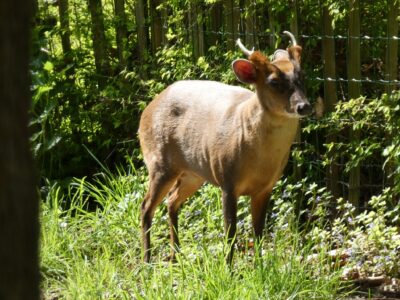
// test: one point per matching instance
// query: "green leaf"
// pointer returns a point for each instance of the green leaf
(40, 91)
(48, 66)
(36, 135)
(53, 142)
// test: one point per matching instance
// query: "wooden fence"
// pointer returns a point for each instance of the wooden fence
(228, 21)
(260, 25)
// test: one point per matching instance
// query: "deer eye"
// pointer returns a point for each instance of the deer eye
(274, 82)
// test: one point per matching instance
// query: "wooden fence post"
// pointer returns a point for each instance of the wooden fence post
(121, 31)
(157, 31)
(232, 22)
(271, 23)
(216, 22)
(392, 44)
(354, 89)
(330, 96)
(65, 31)
(391, 68)
(294, 28)
(100, 45)
(142, 34)
(294, 25)
(196, 26)
(250, 24)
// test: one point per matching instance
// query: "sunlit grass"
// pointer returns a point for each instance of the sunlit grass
(91, 249)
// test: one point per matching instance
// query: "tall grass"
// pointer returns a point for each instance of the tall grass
(91, 249)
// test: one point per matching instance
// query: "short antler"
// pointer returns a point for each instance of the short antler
(243, 48)
(292, 38)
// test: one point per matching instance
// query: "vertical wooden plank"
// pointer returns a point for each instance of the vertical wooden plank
(249, 23)
(392, 44)
(294, 25)
(64, 27)
(121, 31)
(391, 68)
(230, 23)
(200, 28)
(141, 29)
(157, 36)
(193, 25)
(236, 20)
(193, 28)
(216, 22)
(354, 88)
(272, 25)
(100, 46)
(330, 92)
(197, 32)
(297, 172)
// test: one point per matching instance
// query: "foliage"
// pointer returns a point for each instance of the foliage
(90, 244)
(371, 239)
(71, 108)
(91, 247)
(95, 252)
(377, 120)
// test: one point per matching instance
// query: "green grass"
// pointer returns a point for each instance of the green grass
(94, 252)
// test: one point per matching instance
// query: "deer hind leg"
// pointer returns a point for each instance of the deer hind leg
(159, 185)
(229, 207)
(185, 186)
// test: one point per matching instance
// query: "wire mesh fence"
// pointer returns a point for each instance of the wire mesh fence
(350, 50)
(360, 62)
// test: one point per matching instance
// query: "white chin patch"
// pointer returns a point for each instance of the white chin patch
(293, 115)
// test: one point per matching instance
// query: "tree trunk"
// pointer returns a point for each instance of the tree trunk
(99, 41)
(19, 227)
(354, 74)
(121, 31)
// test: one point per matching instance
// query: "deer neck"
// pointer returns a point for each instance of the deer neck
(258, 120)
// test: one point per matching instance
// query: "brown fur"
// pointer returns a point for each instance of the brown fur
(263, 66)
(197, 131)
(295, 53)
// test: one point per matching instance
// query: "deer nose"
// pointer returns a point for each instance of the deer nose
(303, 109)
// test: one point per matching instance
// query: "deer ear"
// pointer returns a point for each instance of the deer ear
(281, 54)
(245, 70)
(295, 53)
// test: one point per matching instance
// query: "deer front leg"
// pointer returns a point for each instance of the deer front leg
(259, 205)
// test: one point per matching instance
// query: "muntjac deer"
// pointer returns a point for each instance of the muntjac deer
(197, 131)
